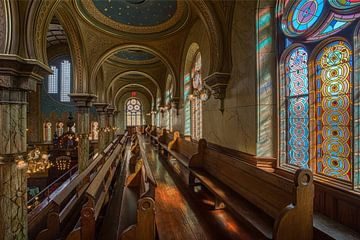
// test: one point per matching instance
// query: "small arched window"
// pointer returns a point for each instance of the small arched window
(133, 114)
(47, 131)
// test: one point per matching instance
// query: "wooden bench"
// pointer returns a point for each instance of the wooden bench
(182, 152)
(62, 207)
(138, 204)
(275, 206)
(97, 195)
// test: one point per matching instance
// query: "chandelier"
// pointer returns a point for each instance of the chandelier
(38, 162)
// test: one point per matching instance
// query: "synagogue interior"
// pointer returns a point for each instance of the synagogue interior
(179, 119)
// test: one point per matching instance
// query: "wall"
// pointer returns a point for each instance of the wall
(236, 127)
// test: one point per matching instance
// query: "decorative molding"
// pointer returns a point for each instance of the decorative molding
(218, 83)
(20, 73)
(94, 12)
(175, 103)
(83, 100)
(101, 107)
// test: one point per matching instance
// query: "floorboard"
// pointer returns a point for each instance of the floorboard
(183, 214)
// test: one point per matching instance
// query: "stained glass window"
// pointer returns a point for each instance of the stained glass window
(302, 16)
(133, 113)
(298, 107)
(196, 103)
(333, 110)
(187, 107)
(344, 4)
(53, 80)
(321, 87)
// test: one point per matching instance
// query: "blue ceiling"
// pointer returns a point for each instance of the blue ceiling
(137, 12)
(134, 55)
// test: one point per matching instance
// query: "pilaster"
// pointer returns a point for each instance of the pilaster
(111, 127)
(102, 115)
(83, 102)
(17, 77)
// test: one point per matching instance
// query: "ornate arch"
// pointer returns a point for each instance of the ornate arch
(112, 51)
(117, 95)
(208, 16)
(148, 76)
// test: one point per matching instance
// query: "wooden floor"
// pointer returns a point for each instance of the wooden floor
(183, 214)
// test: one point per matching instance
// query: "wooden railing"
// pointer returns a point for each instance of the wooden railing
(96, 196)
(55, 217)
(141, 181)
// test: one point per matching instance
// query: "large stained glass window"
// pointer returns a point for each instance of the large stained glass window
(333, 110)
(133, 114)
(297, 94)
(318, 108)
(196, 103)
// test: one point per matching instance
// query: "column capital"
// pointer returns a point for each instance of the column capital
(110, 110)
(20, 73)
(83, 99)
(101, 107)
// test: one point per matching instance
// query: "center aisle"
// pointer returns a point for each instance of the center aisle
(183, 214)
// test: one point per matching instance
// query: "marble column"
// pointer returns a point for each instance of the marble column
(116, 122)
(83, 102)
(102, 119)
(111, 132)
(17, 77)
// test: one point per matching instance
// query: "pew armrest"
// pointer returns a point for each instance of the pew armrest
(299, 213)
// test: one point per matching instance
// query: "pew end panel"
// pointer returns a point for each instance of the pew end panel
(299, 213)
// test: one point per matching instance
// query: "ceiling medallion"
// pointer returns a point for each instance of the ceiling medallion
(134, 16)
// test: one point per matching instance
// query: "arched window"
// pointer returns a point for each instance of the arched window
(59, 128)
(133, 114)
(47, 132)
(94, 135)
(316, 88)
(168, 97)
(60, 81)
(196, 103)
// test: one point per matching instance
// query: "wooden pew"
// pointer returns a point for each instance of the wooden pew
(154, 134)
(97, 195)
(275, 206)
(182, 152)
(138, 204)
(59, 212)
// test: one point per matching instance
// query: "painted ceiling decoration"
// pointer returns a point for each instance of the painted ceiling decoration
(134, 55)
(134, 16)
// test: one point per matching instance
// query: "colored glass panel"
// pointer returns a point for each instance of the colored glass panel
(133, 112)
(334, 24)
(333, 110)
(297, 107)
(344, 4)
(302, 16)
(187, 109)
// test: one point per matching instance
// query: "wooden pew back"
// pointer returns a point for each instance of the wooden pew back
(282, 199)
